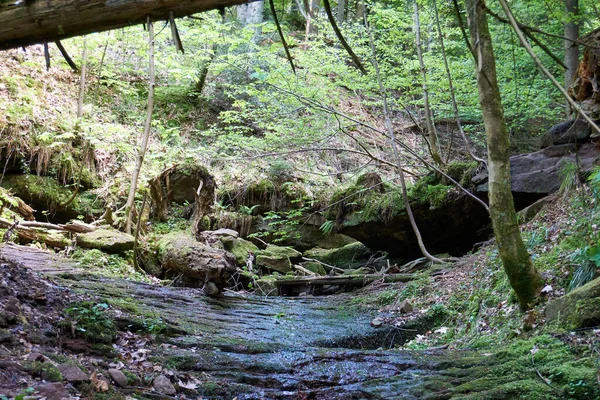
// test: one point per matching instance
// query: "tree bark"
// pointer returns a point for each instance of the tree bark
(82, 80)
(571, 49)
(341, 11)
(524, 278)
(146, 136)
(23, 23)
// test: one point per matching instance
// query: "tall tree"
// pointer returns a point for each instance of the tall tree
(146, 135)
(524, 278)
(571, 48)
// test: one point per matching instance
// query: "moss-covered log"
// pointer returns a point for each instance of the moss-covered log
(578, 309)
(28, 22)
(200, 264)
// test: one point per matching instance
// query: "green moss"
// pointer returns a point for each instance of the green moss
(315, 267)
(240, 248)
(43, 370)
(183, 362)
(434, 195)
(47, 195)
(461, 172)
(348, 256)
(514, 372)
(89, 390)
(131, 377)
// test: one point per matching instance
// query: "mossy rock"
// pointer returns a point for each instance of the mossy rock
(46, 195)
(578, 309)
(266, 286)
(109, 240)
(348, 256)
(315, 267)
(43, 370)
(281, 251)
(198, 262)
(279, 263)
(240, 248)
(461, 171)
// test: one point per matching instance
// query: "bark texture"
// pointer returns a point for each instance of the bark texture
(523, 277)
(24, 23)
(571, 48)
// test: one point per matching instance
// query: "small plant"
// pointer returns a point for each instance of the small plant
(587, 269)
(154, 325)
(91, 321)
(247, 210)
(327, 227)
(280, 171)
(569, 176)
(594, 182)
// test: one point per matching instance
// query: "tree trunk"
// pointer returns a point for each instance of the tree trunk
(24, 23)
(251, 14)
(571, 48)
(432, 137)
(312, 9)
(523, 277)
(82, 80)
(341, 11)
(146, 136)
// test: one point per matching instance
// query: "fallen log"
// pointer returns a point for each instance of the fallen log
(344, 280)
(27, 234)
(23, 23)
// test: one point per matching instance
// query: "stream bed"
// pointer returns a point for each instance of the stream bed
(243, 346)
(253, 347)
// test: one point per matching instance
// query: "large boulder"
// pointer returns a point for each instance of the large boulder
(572, 131)
(348, 256)
(278, 258)
(578, 309)
(284, 251)
(240, 248)
(277, 263)
(538, 173)
(106, 239)
(201, 264)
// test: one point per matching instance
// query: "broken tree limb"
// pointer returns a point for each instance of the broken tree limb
(23, 23)
(331, 267)
(78, 227)
(66, 56)
(305, 271)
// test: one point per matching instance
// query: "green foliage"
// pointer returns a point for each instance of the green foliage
(91, 321)
(588, 267)
(569, 176)
(281, 224)
(594, 182)
(327, 227)
(44, 370)
(280, 171)
(22, 395)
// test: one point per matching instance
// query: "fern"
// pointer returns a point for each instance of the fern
(327, 227)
